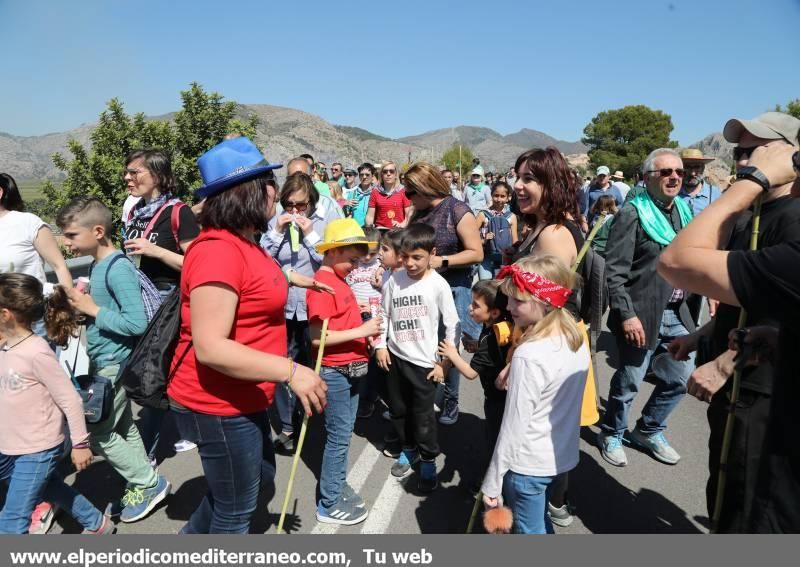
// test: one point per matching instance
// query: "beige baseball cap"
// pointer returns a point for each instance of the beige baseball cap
(769, 126)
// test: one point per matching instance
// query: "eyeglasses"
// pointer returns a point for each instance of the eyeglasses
(132, 172)
(335, 169)
(739, 152)
(349, 174)
(365, 174)
(796, 161)
(299, 207)
(389, 171)
(667, 171)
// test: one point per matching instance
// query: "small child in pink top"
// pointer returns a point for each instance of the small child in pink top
(35, 398)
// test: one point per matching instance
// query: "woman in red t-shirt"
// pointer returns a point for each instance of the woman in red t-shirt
(388, 205)
(232, 345)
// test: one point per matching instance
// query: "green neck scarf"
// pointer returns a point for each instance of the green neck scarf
(653, 221)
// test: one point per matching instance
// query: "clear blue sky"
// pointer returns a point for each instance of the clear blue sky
(394, 67)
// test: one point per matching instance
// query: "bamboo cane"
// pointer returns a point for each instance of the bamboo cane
(727, 437)
(302, 437)
(475, 508)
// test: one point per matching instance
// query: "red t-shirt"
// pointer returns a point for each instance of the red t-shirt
(219, 256)
(344, 314)
(389, 208)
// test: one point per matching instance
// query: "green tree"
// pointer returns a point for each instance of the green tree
(456, 159)
(622, 138)
(202, 122)
(792, 107)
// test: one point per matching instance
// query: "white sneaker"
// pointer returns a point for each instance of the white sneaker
(183, 445)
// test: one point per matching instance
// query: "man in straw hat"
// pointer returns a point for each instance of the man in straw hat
(696, 192)
(344, 364)
(618, 181)
(711, 381)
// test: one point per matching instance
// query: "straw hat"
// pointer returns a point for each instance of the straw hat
(694, 155)
(340, 233)
(618, 175)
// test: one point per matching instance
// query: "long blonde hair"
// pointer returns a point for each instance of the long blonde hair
(556, 271)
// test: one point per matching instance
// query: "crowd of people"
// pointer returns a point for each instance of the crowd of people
(401, 282)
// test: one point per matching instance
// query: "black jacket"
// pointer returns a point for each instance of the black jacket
(635, 289)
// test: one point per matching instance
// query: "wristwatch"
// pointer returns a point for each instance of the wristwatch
(755, 175)
(445, 262)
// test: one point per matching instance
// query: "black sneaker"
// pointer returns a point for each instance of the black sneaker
(284, 443)
(428, 480)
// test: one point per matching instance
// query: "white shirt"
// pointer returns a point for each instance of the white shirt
(413, 309)
(541, 423)
(18, 232)
(127, 206)
(623, 188)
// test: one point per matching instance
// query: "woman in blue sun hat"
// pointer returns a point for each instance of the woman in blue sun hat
(231, 353)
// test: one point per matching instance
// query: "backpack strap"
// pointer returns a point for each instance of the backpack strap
(175, 222)
(108, 287)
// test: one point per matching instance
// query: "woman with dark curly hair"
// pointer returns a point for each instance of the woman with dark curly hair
(547, 196)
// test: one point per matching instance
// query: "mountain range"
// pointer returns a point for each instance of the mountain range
(285, 133)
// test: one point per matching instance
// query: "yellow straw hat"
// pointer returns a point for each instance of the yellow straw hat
(695, 155)
(342, 232)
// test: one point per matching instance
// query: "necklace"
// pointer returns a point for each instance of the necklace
(19, 342)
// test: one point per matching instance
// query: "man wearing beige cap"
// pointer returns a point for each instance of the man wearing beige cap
(711, 381)
(696, 192)
(596, 189)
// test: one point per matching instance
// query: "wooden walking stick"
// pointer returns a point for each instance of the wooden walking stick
(302, 437)
(474, 514)
(727, 437)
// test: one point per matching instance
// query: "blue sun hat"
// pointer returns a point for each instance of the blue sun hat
(229, 163)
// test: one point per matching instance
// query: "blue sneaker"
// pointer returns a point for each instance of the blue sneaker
(402, 466)
(138, 502)
(611, 449)
(428, 480)
(658, 446)
(342, 513)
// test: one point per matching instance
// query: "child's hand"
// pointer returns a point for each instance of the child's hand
(489, 236)
(382, 358)
(372, 327)
(437, 374)
(490, 501)
(82, 302)
(377, 279)
(448, 350)
(501, 382)
(307, 282)
(364, 308)
(81, 458)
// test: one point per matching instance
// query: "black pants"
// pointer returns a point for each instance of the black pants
(411, 397)
(750, 426)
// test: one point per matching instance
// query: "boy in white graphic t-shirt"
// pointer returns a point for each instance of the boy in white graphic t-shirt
(415, 301)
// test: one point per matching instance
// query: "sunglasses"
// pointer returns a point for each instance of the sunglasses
(667, 171)
(796, 161)
(365, 174)
(739, 152)
(389, 172)
(299, 207)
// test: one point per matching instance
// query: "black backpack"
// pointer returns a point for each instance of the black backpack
(148, 371)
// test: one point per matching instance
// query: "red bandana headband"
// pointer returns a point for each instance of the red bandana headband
(538, 286)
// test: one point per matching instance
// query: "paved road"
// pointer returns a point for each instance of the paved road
(646, 496)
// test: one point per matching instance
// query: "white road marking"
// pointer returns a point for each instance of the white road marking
(380, 515)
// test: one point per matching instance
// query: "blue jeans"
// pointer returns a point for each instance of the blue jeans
(238, 458)
(34, 478)
(527, 497)
(634, 363)
(340, 415)
(299, 341)
(489, 267)
(462, 296)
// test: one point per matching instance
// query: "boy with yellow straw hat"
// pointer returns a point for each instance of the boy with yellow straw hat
(344, 363)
